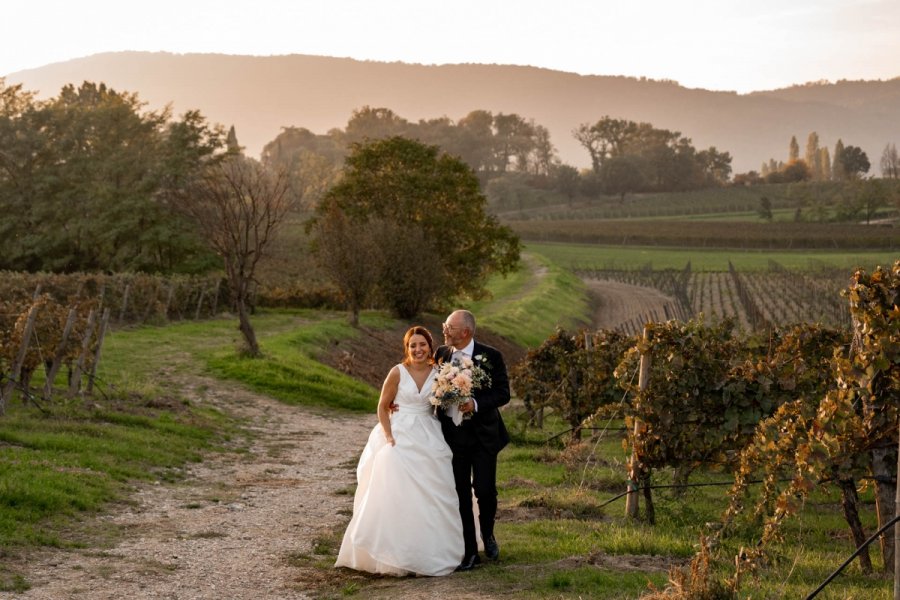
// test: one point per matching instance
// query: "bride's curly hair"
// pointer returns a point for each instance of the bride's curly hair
(417, 330)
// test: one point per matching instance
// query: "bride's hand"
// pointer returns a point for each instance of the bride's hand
(390, 440)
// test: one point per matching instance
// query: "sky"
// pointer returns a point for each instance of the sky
(737, 45)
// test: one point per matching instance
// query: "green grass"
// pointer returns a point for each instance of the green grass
(528, 305)
(289, 371)
(73, 460)
(617, 257)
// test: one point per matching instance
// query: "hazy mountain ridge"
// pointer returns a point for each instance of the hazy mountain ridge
(260, 95)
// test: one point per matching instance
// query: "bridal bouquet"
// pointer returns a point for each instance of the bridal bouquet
(455, 382)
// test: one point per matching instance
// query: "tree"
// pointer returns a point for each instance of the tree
(566, 180)
(621, 175)
(765, 209)
(605, 138)
(854, 162)
(370, 123)
(238, 206)
(748, 178)
(543, 151)
(513, 142)
(716, 165)
(793, 150)
(475, 140)
(794, 172)
(837, 162)
(348, 252)
(873, 196)
(824, 164)
(413, 186)
(812, 156)
(86, 179)
(890, 162)
(312, 162)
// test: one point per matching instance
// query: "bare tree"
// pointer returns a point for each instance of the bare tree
(890, 162)
(238, 205)
(349, 253)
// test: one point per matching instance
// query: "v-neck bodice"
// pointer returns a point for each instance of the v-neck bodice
(409, 395)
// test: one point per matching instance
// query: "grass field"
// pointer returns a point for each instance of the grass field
(617, 257)
(528, 305)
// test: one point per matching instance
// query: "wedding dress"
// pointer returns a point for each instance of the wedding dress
(405, 511)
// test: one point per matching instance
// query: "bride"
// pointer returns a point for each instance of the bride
(405, 511)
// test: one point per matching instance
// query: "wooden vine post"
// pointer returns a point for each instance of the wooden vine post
(199, 305)
(75, 384)
(59, 354)
(124, 302)
(7, 390)
(104, 321)
(215, 305)
(632, 504)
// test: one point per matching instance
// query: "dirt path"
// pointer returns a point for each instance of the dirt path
(230, 529)
(243, 524)
(619, 303)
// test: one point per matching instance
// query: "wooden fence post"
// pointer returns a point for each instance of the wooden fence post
(168, 301)
(104, 321)
(58, 354)
(7, 391)
(215, 305)
(199, 306)
(75, 384)
(632, 503)
(124, 302)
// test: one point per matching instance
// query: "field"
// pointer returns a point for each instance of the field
(757, 288)
(590, 256)
(193, 465)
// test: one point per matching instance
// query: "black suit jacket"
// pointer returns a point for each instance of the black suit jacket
(485, 428)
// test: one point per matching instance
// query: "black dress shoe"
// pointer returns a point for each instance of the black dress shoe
(469, 563)
(491, 548)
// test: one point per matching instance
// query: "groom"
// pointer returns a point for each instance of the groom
(476, 441)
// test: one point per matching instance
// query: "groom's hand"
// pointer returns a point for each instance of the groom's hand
(467, 407)
(394, 407)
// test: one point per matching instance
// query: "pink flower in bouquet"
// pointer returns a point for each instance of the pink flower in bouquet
(455, 382)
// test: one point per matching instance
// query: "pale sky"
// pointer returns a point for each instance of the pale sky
(740, 45)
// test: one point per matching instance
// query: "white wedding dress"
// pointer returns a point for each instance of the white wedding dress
(405, 511)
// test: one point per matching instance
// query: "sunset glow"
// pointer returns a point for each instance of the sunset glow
(713, 44)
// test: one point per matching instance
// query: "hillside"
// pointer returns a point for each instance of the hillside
(260, 95)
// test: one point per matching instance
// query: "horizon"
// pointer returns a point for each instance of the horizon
(411, 63)
(707, 44)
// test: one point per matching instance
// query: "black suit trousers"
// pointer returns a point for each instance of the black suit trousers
(474, 468)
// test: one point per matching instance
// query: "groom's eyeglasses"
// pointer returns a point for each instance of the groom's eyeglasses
(448, 327)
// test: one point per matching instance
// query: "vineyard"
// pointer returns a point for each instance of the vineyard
(801, 409)
(703, 234)
(51, 321)
(730, 201)
(756, 300)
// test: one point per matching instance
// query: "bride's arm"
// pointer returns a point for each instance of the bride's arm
(388, 393)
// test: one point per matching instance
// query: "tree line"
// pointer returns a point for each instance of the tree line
(846, 163)
(512, 155)
(88, 180)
